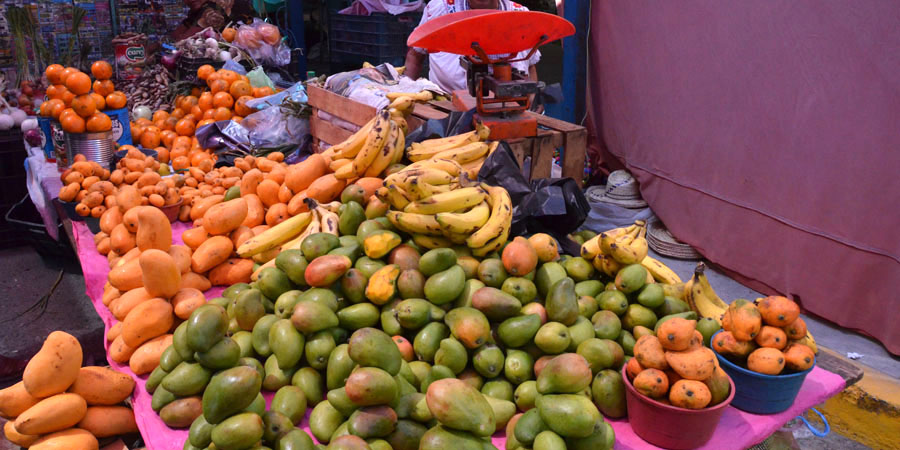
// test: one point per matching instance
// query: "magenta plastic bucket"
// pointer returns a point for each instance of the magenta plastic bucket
(669, 426)
(762, 394)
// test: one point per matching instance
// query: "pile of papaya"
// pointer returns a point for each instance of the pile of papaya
(673, 367)
(61, 405)
(765, 336)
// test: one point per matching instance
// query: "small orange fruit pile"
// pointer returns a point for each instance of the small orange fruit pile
(76, 102)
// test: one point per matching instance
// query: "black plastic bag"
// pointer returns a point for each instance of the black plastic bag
(555, 206)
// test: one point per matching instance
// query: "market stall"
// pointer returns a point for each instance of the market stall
(403, 284)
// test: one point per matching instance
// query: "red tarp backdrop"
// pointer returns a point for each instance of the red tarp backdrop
(767, 135)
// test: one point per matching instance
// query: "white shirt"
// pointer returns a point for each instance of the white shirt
(444, 68)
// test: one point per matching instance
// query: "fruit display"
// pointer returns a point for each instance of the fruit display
(87, 184)
(59, 404)
(767, 337)
(77, 102)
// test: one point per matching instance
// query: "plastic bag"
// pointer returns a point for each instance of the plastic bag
(235, 67)
(297, 93)
(272, 127)
(263, 42)
(258, 78)
(555, 206)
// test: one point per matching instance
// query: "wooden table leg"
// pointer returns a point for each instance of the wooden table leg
(574, 154)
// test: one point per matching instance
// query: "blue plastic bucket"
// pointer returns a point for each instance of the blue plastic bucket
(121, 125)
(46, 138)
(762, 394)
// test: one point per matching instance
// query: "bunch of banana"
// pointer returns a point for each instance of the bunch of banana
(468, 149)
(701, 297)
(613, 249)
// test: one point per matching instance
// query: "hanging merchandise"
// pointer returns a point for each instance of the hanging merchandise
(264, 43)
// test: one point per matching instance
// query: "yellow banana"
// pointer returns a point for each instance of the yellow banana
(427, 150)
(467, 222)
(456, 238)
(431, 242)
(350, 147)
(386, 154)
(448, 201)
(702, 298)
(464, 154)
(421, 96)
(809, 341)
(591, 248)
(458, 139)
(328, 221)
(609, 236)
(608, 265)
(660, 271)
(402, 103)
(375, 141)
(334, 206)
(345, 171)
(397, 197)
(473, 167)
(500, 220)
(675, 290)
(451, 167)
(275, 236)
(630, 249)
(492, 245)
(415, 223)
(420, 190)
(431, 176)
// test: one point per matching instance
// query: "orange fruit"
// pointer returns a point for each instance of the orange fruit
(178, 113)
(169, 124)
(223, 100)
(72, 123)
(195, 111)
(160, 115)
(67, 112)
(98, 122)
(116, 100)
(44, 110)
(204, 71)
(182, 141)
(237, 119)
(205, 101)
(205, 122)
(194, 142)
(150, 138)
(104, 87)
(99, 100)
(136, 131)
(217, 86)
(195, 91)
(264, 91)
(181, 162)
(162, 154)
(101, 70)
(228, 34)
(63, 74)
(67, 97)
(229, 76)
(54, 107)
(53, 71)
(222, 113)
(240, 106)
(84, 105)
(184, 127)
(189, 102)
(167, 137)
(198, 158)
(79, 83)
(240, 88)
(209, 114)
(53, 91)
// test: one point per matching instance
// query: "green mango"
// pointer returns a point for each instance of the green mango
(371, 347)
(411, 284)
(272, 282)
(638, 315)
(601, 354)
(520, 288)
(161, 398)
(560, 302)
(366, 228)
(293, 264)
(530, 425)
(413, 313)
(244, 340)
(351, 252)
(495, 304)
(352, 215)
(260, 334)
(276, 377)
(608, 392)
(230, 391)
(587, 306)
(275, 426)
(568, 373)
(457, 405)
(254, 364)
(205, 327)
(341, 402)
(707, 326)
(498, 389)
(248, 308)
(607, 324)
(651, 295)
(353, 193)
(547, 275)
(295, 439)
(581, 331)
(671, 306)
(419, 370)
(309, 380)
(358, 316)
(469, 326)
(353, 285)
(318, 348)
(626, 341)
(233, 326)
(378, 444)
(318, 244)
(180, 342)
(420, 412)
(309, 317)
(464, 300)
(290, 401)
(180, 413)
(518, 366)
(155, 378)
(488, 361)
(569, 415)
(525, 395)
(284, 304)
(548, 440)
(441, 437)
(406, 404)
(372, 422)
(389, 322)
(238, 432)
(578, 269)
(200, 434)
(232, 291)
(323, 296)
(368, 266)
(469, 265)
(428, 340)
(407, 374)
(225, 301)
(452, 355)
(170, 359)
(324, 420)
(553, 338)
(445, 286)
(286, 343)
(369, 386)
(437, 260)
(503, 409)
(614, 301)
(631, 278)
(257, 406)
(436, 373)
(603, 438)
(591, 288)
(223, 355)
(232, 193)
(518, 331)
(492, 273)
(407, 435)
(347, 442)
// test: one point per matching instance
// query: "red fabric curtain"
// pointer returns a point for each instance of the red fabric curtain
(767, 135)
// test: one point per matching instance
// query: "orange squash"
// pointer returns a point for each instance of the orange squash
(53, 369)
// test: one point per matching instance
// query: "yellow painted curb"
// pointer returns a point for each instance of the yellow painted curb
(867, 412)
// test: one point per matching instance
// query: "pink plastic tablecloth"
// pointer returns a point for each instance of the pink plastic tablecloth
(736, 429)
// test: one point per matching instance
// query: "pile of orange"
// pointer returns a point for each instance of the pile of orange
(76, 102)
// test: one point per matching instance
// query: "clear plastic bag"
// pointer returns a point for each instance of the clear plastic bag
(274, 127)
(263, 42)
(258, 78)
